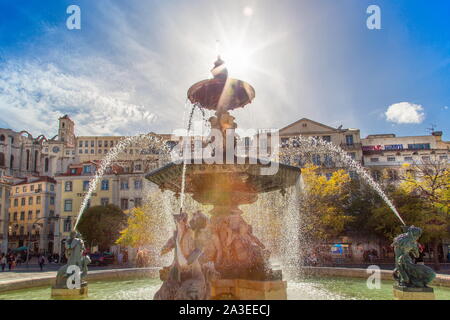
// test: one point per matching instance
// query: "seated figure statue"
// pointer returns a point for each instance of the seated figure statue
(406, 272)
(74, 253)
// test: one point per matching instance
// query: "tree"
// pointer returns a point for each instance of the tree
(139, 233)
(325, 202)
(429, 180)
(101, 225)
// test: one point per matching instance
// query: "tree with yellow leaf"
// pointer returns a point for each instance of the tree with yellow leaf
(324, 203)
(429, 181)
(138, 233)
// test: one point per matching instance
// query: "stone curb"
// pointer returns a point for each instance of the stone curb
(48, 280)
(441, 279)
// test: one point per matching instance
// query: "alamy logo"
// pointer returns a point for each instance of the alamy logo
(374, 280)
(73, 22)
(374, 20)
(74, 279)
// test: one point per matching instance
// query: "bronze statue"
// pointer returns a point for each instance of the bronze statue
(406, 272)
(186, 278)
(74, 253)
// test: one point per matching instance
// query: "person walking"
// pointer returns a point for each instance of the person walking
(3, 262)
(41, 261)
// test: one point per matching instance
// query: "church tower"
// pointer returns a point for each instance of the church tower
(66, 131)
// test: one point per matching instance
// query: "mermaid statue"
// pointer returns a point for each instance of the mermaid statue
(406, 272)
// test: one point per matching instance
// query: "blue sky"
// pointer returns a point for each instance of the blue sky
(128, 69)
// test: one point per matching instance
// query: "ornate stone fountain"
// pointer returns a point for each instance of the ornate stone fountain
(223, 247)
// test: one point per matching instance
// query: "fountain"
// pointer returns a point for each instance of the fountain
(220, 253)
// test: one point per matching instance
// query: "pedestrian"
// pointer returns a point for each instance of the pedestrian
(9, 259)
(41, 260)
(3, 262)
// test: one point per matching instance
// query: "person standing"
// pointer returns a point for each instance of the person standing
(3, 262)
(41, 261)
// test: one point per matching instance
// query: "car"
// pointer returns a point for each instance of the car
(101, 259)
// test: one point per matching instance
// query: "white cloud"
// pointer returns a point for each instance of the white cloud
(33, 96)
(405, 112)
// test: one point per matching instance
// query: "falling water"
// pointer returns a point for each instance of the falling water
(113, 154)
(187, 145)
(303, 145)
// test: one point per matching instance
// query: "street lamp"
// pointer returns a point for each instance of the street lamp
(32, 227)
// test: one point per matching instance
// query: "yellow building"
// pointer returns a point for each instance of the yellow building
(118, 186)
(32, 214)
(5, 189)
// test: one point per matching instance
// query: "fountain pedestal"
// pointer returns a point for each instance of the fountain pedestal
(405, 293)
(240, 289)
(70, 293)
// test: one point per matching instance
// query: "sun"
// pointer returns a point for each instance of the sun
(247, 11)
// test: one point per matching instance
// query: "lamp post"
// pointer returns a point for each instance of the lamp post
(32, 226)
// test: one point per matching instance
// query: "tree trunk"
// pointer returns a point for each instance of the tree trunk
(437, 265)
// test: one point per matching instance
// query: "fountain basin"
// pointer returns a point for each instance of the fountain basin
(124, 286)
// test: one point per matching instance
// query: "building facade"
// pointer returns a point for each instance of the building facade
(5, 190)
(348, 139)
(32, 214)
(386, 154)
(123, 189)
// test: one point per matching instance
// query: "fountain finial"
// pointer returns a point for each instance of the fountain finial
(219, 71)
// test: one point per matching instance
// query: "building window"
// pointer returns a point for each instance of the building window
(326, 138)
(46, 165)
(104, 201)
(352, 155)
(68, 205)
(328, 161)
(24, 189)
(22, 216)
(409, 159)
(30, 215)
(30, 200)
(85, 185)
(15, 216)
(2, 159)
(349, 139)
(100, 144)
(86, 144)
(68, 186)
(374, 159)
(124, 185)
(32, 187)
(124, 204)
(92, 144)
(80, 151)
(99, 150)
(87, 169)
(376, 175)
(316, 159)
(67, 225)
(52, 187)
(392, 175)
(80, 144)
(16, 202)
(39, 187)
(105, 184)
(86, 151)
(138, 184)
(51, 213)
(38, 200)
(391, 159)
(22, 201)
(52, 200)
(92, 151)
(353, 175)
(138, 167)
(38, 213)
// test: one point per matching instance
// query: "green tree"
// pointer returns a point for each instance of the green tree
(101, 225)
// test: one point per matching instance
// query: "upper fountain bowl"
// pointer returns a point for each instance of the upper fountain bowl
(221, 93)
